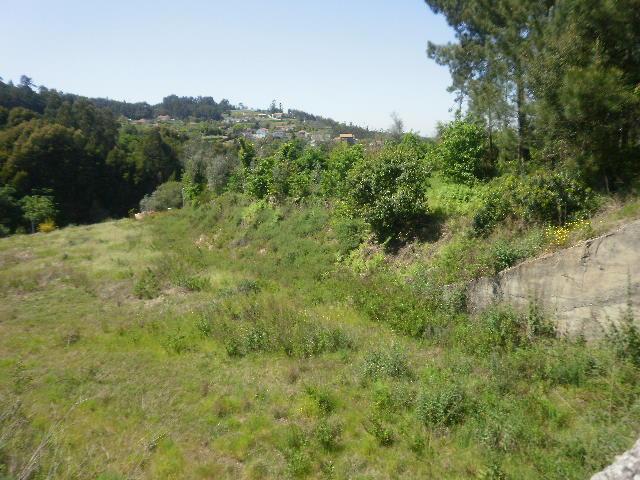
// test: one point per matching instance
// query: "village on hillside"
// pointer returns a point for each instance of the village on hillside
(264, 127)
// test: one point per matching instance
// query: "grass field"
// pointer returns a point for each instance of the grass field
(227, 342)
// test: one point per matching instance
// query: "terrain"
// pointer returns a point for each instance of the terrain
(227, 341)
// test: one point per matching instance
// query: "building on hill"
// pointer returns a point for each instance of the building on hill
(279, 134)
(163, 118)
(261, 134)
(347, 138)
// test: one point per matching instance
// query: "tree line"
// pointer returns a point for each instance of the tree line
(183, 108)
(555, 82)
(65, 150)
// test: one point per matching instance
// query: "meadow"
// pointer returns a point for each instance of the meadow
(228, 342)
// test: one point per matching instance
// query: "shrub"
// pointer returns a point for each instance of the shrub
(461, 151)
(441, 405)
(382, 433)
(193, 284)
(323, 399)
(387, 190)
(397, 306)
(392, 398)
(625, 337)
(47, 226)
(147, 286)
(505, 328)
(543, 197)
(341, 159)
(328, 434)
(391, 363)
(167, 195)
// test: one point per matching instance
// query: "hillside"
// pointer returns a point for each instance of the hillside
(226, 342)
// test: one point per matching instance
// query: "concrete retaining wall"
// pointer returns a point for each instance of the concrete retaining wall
(583, 288)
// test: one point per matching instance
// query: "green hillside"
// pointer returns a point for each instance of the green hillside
(227, 341)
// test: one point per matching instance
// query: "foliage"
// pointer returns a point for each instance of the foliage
(441, 405)
(37, 208)
(166, 196)
(47, 226)
(461, 151)
(281, 360)
(542, 197)
(341, 159)
(392, 363)
(387, 190)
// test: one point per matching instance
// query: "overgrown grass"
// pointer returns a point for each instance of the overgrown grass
(226, 342)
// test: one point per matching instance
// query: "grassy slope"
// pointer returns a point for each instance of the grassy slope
(256, 357)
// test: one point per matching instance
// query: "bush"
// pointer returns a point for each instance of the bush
(328, 434)
(382, 433)
(542, 197)
(506, 329)
(441, 405)
(391, 363)
(341, 159)
(147, 286)
(625, 337)
(460, 154)
(387, 190)
(47, 226)
(167, 195)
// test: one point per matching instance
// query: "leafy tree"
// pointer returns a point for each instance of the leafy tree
(37, 208)
(461, 150)
(341, 159)
(167, 195)
(10, 212)
(246, 153)
(4, 116)
(585, 80)
(20, 114)
(490, 62)
(387, 190)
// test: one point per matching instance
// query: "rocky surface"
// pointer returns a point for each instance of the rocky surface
(625, 467)
(583, 288)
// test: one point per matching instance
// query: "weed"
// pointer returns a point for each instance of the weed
(625, 337)
(193, 284)
(441, 405)
(147, 286)
(325, 401)
(382, 433)
(391, 363)
(204, 325)
(328, 433)
(178, 343)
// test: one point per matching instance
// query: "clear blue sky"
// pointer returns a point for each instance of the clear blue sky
(353, 60)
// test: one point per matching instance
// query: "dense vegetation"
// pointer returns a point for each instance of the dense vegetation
(64, 148)
(301, 311)
(226, 342)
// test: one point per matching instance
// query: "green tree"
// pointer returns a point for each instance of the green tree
(585, 80)
(167, 195)
(37, 208)
(387, 190)
(491, 60)
(10, 212)
(341, 159)
(246, 152)
(460, 153)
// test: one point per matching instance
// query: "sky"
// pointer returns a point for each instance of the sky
(352, 60)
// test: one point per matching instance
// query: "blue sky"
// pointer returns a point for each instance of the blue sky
(353, 60)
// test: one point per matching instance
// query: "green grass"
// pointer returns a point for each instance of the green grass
(226, 342)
